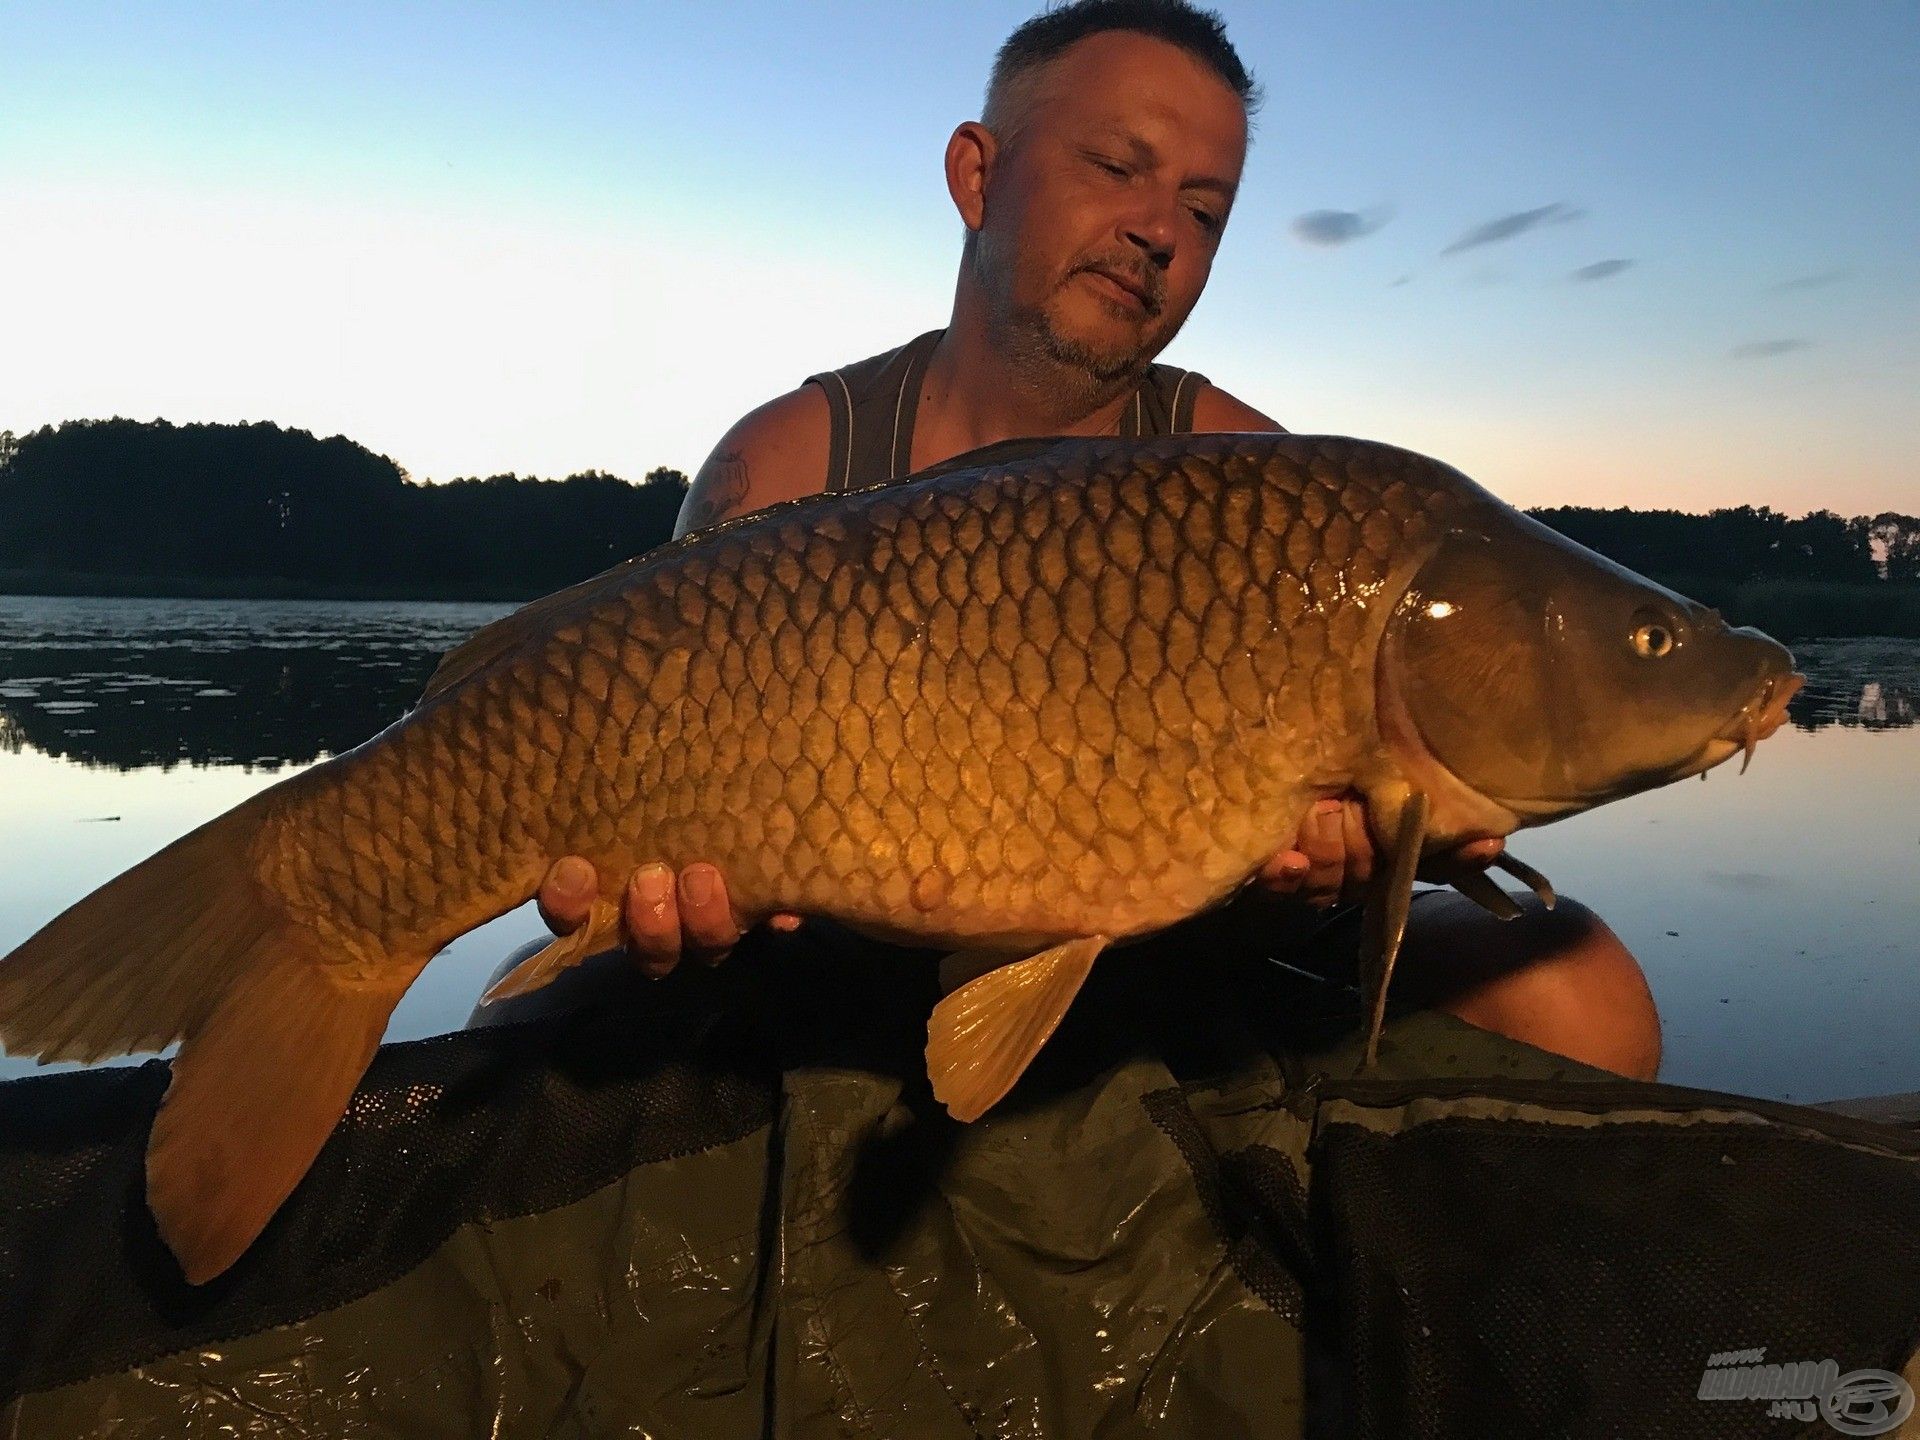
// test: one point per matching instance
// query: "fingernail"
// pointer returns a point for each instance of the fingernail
(654, 882)
(574, 874)
(697, 884)
(1294, 866)
(1324, 808)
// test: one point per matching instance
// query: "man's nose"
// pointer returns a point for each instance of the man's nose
(1152, 228)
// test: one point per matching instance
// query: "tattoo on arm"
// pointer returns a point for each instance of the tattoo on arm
(716, 492)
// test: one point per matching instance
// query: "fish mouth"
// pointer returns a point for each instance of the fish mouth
(1763, 713)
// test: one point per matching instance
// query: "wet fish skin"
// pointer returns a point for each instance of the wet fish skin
(1085, 694)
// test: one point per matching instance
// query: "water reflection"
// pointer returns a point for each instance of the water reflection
(1867, 684)
(261, 684)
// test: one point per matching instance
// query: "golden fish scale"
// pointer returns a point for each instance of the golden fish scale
(1084, 695)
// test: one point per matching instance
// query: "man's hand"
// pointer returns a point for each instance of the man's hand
(1332, 858)
(664, 919)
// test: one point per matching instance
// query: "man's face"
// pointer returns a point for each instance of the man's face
(1103, 210)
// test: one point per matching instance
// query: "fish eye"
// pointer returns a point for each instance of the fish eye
(1651, 640)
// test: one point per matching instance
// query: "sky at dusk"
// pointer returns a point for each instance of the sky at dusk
(1658, 254)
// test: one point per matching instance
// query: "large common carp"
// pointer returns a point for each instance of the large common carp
(1062, 695)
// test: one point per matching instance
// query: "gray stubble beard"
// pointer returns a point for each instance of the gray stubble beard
(1049, 362)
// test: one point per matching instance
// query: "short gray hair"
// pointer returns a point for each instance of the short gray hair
(1041, 40)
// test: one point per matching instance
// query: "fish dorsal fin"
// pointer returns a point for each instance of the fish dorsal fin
(509, 632)
(983, 1036)
(506, 634)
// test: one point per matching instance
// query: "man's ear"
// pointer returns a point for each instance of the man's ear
(970, 155)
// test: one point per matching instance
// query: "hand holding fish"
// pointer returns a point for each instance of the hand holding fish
(1330, 862)
(665, 918)
(1332, 858)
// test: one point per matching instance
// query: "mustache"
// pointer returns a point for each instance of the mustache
(1149, 284)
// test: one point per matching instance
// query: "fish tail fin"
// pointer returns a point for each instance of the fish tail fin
(190, 945)
(143, 960)
(255, 1092)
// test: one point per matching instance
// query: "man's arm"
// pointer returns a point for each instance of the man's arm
(777, 452)
(1214, 409)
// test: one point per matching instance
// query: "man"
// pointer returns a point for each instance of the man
(1094, 191)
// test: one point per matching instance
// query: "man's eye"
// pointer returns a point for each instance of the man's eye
(1109, 166)
(1207, 220)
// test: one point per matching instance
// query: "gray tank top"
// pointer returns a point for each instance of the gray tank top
(873, 402)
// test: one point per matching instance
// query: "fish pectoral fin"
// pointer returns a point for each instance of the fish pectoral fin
(1384, 924)
(566, 951)
(1527, 876)
(983, 1036)
(1479, 887)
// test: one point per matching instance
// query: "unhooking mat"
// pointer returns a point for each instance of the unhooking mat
(726, 1205)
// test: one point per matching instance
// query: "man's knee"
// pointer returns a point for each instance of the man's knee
(1558, 979)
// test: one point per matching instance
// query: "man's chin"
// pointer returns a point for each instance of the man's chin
(1102, 353)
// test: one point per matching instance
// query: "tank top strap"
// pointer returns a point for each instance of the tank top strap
(872, 404)
(1163, 405)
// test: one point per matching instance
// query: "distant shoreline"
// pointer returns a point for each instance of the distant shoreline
(1806, 609)
(121, 509)
(243, 587)
(1788, 609)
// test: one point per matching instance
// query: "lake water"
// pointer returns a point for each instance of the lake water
(1777, 914)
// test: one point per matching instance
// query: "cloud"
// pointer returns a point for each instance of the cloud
(1601, 270)
(1505, 227)
(1328, 228)
(1818, 281)
(1761, 349)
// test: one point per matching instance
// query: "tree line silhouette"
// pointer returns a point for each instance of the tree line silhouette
(1748, 543)
(235, 507)
(261, 509)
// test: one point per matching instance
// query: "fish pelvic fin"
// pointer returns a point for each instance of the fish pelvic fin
(544, 967)
(982, 1037)
(255, 1092)
(1384, 921)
